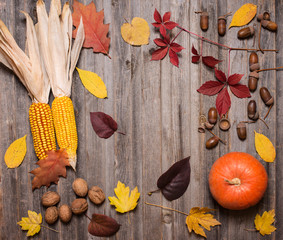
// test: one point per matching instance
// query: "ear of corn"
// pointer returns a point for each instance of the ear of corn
(65, 127)
(42, 129)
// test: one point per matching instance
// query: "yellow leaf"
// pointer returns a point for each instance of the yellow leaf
(136, 33)
(198, 217)
(243, 15)
(264, 147)
(263, 224)
(123, 202)
(31, 223)
(93, 83)
(16, 152)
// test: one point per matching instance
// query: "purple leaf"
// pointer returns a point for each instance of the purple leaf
(210, 61)
(211, 88)
(103, 124)
(175, 181)
(220, 75)
(102, 226)
(240, 90)
(235, 78)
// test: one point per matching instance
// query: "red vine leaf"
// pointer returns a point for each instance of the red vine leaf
(102, 226)
(159, 54)
(194, 51)
(173, 57)
(210, 61)
(211, 88)
(235, 78)
(164, 23)
(160, 42)
(195, 59)
(176, 47)
(220, 75)
(240, 90)
(223, 102)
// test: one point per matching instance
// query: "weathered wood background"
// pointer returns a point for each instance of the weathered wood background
(157, 106)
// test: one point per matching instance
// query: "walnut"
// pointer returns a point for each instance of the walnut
(96, 195)
(50, 198)
(65, 213)
(79, 206)
(80, 187)
(51, 215)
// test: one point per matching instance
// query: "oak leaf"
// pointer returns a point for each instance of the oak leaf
(136, 33)
(31, 223)
(243, 15)
(264, 223)
(95, 31)
(199, 217)
(264, 147)
(50, 168)
(16, 152)
(124, 202)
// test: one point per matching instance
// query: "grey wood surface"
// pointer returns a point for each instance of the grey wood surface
(158, 107)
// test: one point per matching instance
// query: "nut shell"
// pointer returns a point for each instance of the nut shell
(51, 215)
(80, 187)
(65, 213)
(272, 26)
(50, 198)
(208, 125)
(252, 110)
(96, 195)
(79, 206)
(221, 26)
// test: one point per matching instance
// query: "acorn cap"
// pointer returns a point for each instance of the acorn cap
(254, 67)
(266, 16)
(201, 128)
(254, 74)
(254, 117)
(224, 124)
(241, 125)
(270, 101)
(260, 17)
(222, 17)
(208, 125)
(252, 30)
(264, 23)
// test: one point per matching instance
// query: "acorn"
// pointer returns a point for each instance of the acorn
(253, 79)
(252, 110)
(224, 124)
(246, 32)
(212, 115)
(222, 25)
(212, 142)
(253, 62)
(242, 131)
(263, 16)
(266, 96)
(271, 26)
(203, 21)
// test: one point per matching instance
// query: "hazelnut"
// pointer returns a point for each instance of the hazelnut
(50, 198)
(80, 187)
(79, 206)
(51, 215)
(96, 195)
(65, 213)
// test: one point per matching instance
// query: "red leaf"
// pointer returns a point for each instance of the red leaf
(176, 47)
(220, 75)
(166, 16)
(160, 42)
(162, 30)
(210, 88)
(102, 226)
(194, 51)
(170, 25)
(156, 24)
(173, 58)
(167, 38)
(235, 78)
(240, 90)
(95, 31)
(210, 61)
(223, 102)
(103, 125)
(195, 59)
(159, 54)
(50, 168)
(157, 16)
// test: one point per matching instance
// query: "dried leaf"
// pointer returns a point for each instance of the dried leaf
(93, 83)
(103, 124)
(198, 217)
(264, 147)
(50, 168)
(31, 223)
(102, 226)
(223, 102)
(123, 202)
(243, 15)
(16, 152)
(175, 181)
(211, 88)
(210, 61)
(136, 33)
(95, 31)
(264, 223)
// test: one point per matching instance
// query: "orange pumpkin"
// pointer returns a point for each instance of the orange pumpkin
(237, 180)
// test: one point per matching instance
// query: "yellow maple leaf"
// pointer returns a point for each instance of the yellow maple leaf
(264, 147)
(136, 33)
(243, 15)
(263, 223)
(198, 216)
(93, 83)
(31, 223)
(123, 202)
(16, 152)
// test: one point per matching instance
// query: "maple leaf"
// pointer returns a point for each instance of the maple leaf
(123, 202)
(263, 223)
(163, 23)
(95, 31)
(198, 216)
(50, 168)
(207, 60)
(31, 223)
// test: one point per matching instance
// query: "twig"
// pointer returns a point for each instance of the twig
(54, 230)
(264, 122)
(171, 209)
(227, 14)
(251, 230)
(121, 133)
(176, 36)
(259, 33)
(87, 216)
(256, 50)
(268, 69)
(248, 122)
(217, 137)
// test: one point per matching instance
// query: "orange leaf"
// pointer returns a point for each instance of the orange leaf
(95, 31)
(50, 168)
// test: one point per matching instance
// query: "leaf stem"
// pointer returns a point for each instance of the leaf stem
(227, 14)
(151, 192)
(171, 209)
(254, 49)
(87, 216)
(268, 111)
(54, 230)
(121, 133)
(217, 137)
(176, 36)
(264, 121)
(268, 69)
(251, 230)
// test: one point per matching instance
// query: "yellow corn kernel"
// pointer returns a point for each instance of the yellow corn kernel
(42, 129)
(65, 127)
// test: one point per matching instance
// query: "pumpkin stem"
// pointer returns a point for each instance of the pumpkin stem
(234, 181)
